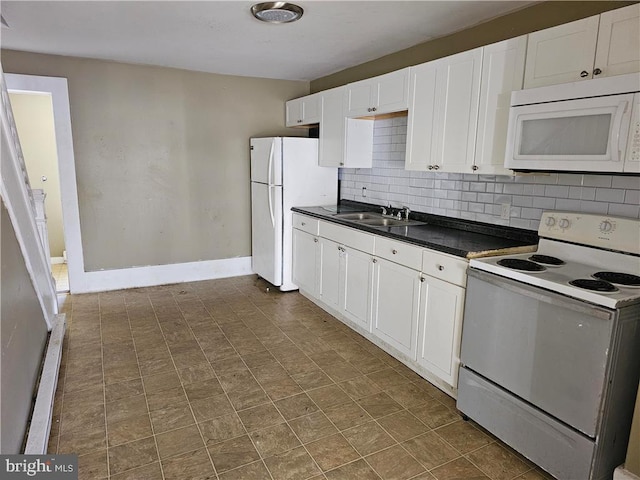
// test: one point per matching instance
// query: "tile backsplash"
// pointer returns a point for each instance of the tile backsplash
(480, 197)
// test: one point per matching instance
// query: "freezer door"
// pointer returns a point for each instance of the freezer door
(266, 232)
(266, 160)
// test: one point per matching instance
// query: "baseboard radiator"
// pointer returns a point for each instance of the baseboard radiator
(40, 425)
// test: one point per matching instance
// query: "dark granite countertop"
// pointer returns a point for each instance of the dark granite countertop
(463, 238)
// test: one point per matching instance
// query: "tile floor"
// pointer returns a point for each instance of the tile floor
(61, 276)
(222, 379)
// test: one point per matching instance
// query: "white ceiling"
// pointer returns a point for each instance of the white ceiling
(223, 37)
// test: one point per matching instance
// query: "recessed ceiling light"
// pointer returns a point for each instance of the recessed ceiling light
(277, 12)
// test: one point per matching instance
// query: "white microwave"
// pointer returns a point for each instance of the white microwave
(588, 126)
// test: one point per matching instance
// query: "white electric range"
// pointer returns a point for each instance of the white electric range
(550, 356)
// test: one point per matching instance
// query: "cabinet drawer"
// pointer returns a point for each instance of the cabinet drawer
(306, 224)
(347, 236)
(399, 252)
(445, 267)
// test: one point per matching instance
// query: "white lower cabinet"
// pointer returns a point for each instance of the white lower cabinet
(305, 261)
(396, 297)
(388, 290)
(440, 328)
(345, 281)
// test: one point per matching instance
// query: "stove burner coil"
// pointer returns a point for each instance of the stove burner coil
(595, 285)
(518, 264)
(618, 278)
(546, 260)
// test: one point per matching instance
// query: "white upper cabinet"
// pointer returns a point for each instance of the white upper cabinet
(618, 49)
(443, 113)
(502, 73)
(303, 111)
(602, 45)
(343, 142)
(382, 94)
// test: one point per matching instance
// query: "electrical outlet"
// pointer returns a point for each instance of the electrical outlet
(505, 211)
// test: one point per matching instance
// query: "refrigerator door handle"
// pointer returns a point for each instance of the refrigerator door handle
(269, 169)
(273, 220)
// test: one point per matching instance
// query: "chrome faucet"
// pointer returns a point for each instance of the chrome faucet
(384, 210)
(406, 213)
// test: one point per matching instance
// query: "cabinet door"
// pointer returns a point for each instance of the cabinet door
(293, 112)
(392, 92)
(618, 49)
(561, 54)
(423, 113)
(305, 261)
(356, 283)
(311, 109)
(440, 328)
(360, 97)
(331, 144)
(329, 267)
(502, 73)
(396, 296)
(458, 90)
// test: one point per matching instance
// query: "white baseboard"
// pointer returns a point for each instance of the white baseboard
(103, 280)
(621, 473)
(57, 260)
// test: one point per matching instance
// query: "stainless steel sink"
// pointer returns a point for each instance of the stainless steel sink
(359, 216)
(376, 219)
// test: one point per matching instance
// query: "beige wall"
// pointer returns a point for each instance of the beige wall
(536, 17)
(23, 333)
(33, 115)
(162, 156)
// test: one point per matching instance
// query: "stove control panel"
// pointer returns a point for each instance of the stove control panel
(604, 231)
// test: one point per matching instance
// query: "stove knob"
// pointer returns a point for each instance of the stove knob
(551, 221)
(606, 226)
(564, 223)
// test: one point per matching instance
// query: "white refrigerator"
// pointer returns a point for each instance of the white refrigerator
(284, 174)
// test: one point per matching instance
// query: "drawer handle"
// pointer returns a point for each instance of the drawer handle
(440, 267)
(584, 73)
(597, 71)
(394, 251)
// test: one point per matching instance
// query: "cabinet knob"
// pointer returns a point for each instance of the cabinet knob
(440, 267)
(374, 109)
(394, 251)
(584, 73)
(474, 168)
(597, 71)
(299, 121)
(430, 167)
(436, 167)
(369, 109)
(341, 163)
(422, 279)
(374, 260)
(315, 240)
(303, 224)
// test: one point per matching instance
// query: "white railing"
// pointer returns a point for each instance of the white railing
(18, 198)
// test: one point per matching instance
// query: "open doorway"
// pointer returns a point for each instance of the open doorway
(53, 90)
(33, 115)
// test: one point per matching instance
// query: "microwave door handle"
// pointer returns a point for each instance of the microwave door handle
(616, 154)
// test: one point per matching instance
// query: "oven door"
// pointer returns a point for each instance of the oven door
(550, 350)
(574, 135)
